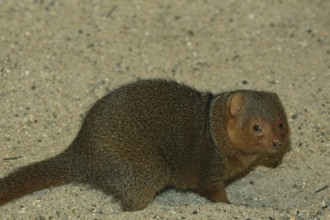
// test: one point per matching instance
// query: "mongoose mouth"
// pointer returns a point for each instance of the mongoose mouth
(273, 148)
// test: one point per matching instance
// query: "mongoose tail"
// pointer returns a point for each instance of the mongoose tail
(40, 175)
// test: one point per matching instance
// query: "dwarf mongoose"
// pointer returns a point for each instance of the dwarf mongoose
(152, 134)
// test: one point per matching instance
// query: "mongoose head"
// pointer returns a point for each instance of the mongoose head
(256, 122)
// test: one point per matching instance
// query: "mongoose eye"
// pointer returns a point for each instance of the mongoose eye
(280, 125)
(256, 128)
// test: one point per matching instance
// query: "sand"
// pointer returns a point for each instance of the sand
(58, 57)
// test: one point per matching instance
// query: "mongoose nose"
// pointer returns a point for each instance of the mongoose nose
(276, 143)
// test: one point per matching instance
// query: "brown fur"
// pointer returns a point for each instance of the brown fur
(153, 134)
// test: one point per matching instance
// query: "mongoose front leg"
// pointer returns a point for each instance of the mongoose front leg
(214, 193)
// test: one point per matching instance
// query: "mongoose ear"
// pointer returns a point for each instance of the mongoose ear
(237, 101)
(277, 97)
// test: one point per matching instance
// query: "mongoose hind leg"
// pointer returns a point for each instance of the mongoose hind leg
(137, 195)
(136, 180)
(133, 191)
(138, 199)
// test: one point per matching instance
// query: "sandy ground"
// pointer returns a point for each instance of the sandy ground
(59, 57)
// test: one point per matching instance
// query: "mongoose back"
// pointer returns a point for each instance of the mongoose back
(152, 134)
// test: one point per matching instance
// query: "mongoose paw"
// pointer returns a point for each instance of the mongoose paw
(215, 193)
